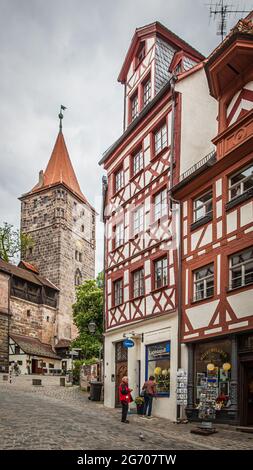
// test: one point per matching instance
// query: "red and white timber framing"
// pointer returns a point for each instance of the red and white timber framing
(231, 229)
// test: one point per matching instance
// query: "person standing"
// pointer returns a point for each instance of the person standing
(149, 389)
(125, 398)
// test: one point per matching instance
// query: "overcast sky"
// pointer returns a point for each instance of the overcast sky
(70, 52)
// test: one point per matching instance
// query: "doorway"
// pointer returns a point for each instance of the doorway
(246, 407)
(34, 366)
(120, 368)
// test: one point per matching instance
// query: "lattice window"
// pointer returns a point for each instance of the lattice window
(138, 283)
(137, 162)
(119, 180)
(161, 272)
(119, 235)
(138, 220)
(118, 292)
(240, 182)
(241, 268)
(203, 206)
(204, 282)
(160, 204)
(134, 107)
(146, 92)
(161, 138)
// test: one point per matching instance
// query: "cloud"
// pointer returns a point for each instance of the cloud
(70, 52)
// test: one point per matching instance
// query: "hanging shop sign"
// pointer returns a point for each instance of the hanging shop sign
(128, 343)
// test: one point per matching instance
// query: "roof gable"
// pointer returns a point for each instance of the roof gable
(155, 29)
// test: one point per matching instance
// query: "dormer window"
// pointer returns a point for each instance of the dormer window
(146, 92)
(140, 54)
(134, 106)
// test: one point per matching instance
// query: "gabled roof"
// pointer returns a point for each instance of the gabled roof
(59, 171)
(25, 274)
(34, 346)
(155, 28)
(28, 266)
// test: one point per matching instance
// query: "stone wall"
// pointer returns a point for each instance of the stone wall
(34, 320)
(4, 322)
(63, 231)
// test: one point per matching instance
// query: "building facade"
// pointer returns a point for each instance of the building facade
(61, 223)
(28, 319)
(140, 229)
(215, 194)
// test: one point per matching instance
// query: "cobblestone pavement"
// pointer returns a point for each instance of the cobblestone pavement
(54, 417)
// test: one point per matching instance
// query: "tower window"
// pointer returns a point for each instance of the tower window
(80, 257)
(82, 228)
(35, 203)
(45, 217)
(78, 278)
(35, 219)
(28, 313)
(62, 213)
(30, 251)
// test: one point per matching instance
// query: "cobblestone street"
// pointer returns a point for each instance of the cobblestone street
(54, 417)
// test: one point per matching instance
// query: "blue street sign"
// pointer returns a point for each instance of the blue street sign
(128, 343)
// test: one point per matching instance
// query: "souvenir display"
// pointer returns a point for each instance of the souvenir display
(181, 387)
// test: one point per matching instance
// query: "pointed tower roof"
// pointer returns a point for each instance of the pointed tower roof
(59, 171)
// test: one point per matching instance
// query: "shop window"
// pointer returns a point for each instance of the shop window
(118, 292)
(203, 206)
(158, 365)
(137, 162)
(160, 204)
(161, 272)
(213, 372)
(138, 283)
(138, 220)
(241, 269)
(161, 138)
(119, 180)
(203, 282)
(240, 182)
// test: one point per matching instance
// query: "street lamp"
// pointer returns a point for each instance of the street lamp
(92, 328)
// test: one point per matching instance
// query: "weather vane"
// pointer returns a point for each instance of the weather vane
(221, 10)
(60, 115)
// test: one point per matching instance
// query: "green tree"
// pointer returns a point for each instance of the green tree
(88, 307)
(12, 242)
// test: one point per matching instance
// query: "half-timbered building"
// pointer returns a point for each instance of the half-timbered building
(140, 252)
(217, 240)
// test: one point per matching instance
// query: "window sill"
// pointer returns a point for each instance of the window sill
(202, 221)
(197, 301)
(117, 192)
(159, 289)
(159, 154)
(239, 288)
(136, 175)
(239, 199)
(139, 297)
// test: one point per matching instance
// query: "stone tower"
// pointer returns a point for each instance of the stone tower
(61, 222)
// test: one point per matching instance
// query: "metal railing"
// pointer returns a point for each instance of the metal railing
(198, 165)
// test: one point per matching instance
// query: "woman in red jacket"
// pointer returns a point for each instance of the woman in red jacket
(125, 398)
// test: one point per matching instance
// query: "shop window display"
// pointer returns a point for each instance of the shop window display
(158, 364)
(213, 373)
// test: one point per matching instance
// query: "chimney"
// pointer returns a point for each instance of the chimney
(41, 178)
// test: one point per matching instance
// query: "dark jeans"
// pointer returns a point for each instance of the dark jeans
(124, 410)
(148, 401)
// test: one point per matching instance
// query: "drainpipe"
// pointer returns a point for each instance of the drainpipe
(124, 110)
(104, 190)
(178, 235)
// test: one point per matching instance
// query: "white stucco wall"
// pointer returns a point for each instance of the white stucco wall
(198, 108)
(154, 331)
